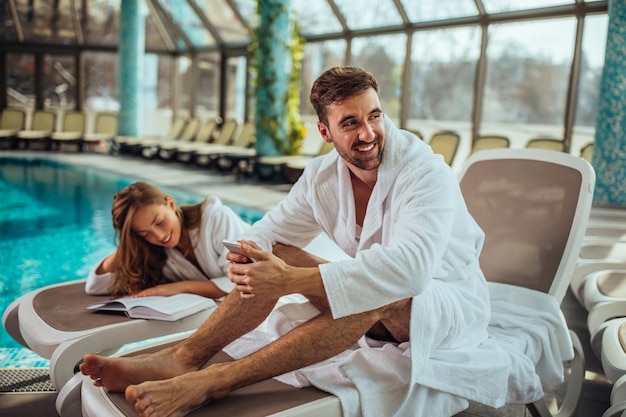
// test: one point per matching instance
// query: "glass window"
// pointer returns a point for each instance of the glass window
(100, 22)
(236, 74)
(184, 78)
(528, 67)
(21, 80)
(208, 85)
(594, 46)
(369, 13)
(384, 56)
(46, 21)
(441, 85)
(315, 17)
(495, 6)
(59, 82)
(164, 80)
(318, 57)
(427, 10)
(100, 70)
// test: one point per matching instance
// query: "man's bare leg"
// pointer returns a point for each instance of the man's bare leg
(232, 319)
(314, 341)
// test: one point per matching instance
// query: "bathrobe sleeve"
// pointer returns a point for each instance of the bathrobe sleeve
(99, 284)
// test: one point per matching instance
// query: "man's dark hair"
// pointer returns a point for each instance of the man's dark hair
(336, 85)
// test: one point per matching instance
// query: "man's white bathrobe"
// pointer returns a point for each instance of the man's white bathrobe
(218, 222)
(417, 241)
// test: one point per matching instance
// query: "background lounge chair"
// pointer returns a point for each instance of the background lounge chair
(12, 121)
(71, 132)
(105, 130)
(446, 144)
(42, 126)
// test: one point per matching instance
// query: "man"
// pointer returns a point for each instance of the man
(397, 210)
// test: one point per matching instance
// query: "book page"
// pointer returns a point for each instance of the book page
(170, 308)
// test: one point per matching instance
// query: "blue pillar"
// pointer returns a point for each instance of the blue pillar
(131, 56)
(609, 149)
(273, 70)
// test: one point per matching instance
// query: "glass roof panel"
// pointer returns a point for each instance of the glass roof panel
(315, 17)
(7, 28)
(42, 21)
(222, 17)
(496, 6)
(188, 22)
(99, 21)
(247, 9)
(154, 39)
(429, 10)
(369, 13)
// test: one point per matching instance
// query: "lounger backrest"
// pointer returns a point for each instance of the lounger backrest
(13, 119)
(191, 128)
(43, 120)
(205, 134)
(106, 123)
(549, 144)
(533, 207)
(73, 121)
(446, 144)
(325, 148)
(245, 136)
(586, 152)
(490, 142)
(178, 126)
(226, 132)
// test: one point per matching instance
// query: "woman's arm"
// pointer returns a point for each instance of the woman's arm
(204, 288)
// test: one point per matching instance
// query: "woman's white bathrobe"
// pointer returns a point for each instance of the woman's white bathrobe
(418, 240)
(218, 222)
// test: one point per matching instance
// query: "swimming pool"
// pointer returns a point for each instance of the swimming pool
(55, 223)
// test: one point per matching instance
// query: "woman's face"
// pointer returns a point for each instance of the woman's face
(158, 224)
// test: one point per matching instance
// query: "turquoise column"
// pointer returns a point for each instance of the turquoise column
(273, 70)
(130, 63)
(609, 149)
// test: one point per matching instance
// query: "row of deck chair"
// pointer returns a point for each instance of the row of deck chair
(42, 130)
(194, 141)
(446, 143)
(599, 285)
(525, 248)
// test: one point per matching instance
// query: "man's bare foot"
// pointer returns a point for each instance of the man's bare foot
(179, 396)
(116, 374)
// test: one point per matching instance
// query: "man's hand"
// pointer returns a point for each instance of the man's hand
(267, 277)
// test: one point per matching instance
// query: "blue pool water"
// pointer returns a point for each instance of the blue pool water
(55, 223)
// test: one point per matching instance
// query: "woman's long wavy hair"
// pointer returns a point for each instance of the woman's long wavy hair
(139, 263)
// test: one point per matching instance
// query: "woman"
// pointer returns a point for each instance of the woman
(165, 249)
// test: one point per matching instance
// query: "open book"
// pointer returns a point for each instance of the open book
(156, 307)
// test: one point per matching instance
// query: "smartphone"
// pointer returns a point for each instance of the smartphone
(234, 246)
